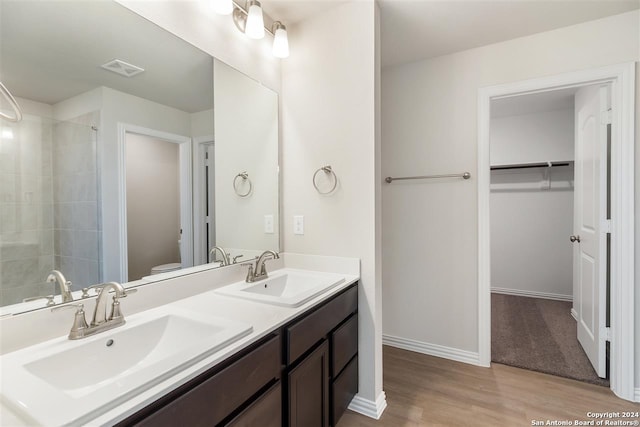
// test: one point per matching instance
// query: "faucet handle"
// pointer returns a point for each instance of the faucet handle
(235, 258)
(79, 321)
(127, 292)
(85, 291)
(49, 299)
(249, 278)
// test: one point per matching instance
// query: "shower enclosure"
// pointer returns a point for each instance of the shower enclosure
(49, 216)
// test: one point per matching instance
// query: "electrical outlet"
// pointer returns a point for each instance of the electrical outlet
(298, 224)
(268, 224)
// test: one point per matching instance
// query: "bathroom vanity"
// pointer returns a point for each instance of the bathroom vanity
(195, 350)
(303, 374)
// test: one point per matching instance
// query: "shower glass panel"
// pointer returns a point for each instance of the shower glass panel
(48, 205)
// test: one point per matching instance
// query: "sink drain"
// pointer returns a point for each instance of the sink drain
(109, 343)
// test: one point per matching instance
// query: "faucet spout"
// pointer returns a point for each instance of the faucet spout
(65, 287)
(225, 256)
(260, 271)
(100, 312)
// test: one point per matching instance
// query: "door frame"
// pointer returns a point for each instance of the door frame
(198, 198)
(186, 204)
(621, 77)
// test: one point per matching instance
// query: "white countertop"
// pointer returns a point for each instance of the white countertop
(264, 318)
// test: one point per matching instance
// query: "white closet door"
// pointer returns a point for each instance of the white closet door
(589, 239)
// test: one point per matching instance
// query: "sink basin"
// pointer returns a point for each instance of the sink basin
(93, 375)
(286, 287)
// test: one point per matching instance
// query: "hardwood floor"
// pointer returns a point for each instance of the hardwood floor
(429, 391)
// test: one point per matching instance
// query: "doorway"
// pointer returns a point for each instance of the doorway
(620, 335)
(537, 173)
(155, 202)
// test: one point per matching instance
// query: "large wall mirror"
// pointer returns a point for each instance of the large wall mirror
(137, 154)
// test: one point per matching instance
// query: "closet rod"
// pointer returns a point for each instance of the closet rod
(531, 165)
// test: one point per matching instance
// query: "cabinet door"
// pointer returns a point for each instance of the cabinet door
(309, 390)
(266, 411)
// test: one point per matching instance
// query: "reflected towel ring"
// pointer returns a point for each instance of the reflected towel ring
(245, 177)
(326, 169)
(14, 105)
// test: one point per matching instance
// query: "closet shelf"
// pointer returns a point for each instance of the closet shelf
(532, 165)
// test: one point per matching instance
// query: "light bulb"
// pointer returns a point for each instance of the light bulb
(280, 40)
(255, 23)
(222, 7)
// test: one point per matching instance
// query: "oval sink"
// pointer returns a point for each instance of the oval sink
(286, 287)
(93, 375)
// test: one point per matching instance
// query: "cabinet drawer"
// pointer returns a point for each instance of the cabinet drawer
(211, 401)
(344, 344)
(302, 335)
(266, 411)
(343, 390)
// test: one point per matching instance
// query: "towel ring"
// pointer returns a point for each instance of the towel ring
(245, 177)
(14, 104)
(326, 169)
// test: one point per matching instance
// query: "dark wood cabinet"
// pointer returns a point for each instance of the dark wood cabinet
(266, 411)
(214, 396)
(334, 325)
(309, 390)
(302, 375)
(343, 388)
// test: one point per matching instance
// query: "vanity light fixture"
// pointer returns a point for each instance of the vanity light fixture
(254, 26)
(249, 20)
(280, 40)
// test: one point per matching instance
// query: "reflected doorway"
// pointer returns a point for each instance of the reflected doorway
(156, 204)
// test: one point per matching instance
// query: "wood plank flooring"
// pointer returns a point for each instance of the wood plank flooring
(429, 391)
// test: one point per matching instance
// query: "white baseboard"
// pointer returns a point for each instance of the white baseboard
(637, 394)
(458, 355)
(368, 407)
(534, 294)
(574, 314)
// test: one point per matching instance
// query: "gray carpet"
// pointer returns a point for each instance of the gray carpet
(539, 335)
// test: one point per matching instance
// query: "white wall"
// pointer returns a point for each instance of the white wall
(529, 138)
(328, 118)
(430, 229)
(530, 250)
(246, 123)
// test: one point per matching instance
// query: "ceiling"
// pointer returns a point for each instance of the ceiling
(418, 29)
(52, 51)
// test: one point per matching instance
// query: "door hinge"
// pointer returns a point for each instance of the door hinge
(207, 220)
(606, 117)
(607, 334)
(606, 226)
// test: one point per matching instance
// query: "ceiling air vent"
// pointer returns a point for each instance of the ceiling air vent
(122, 68)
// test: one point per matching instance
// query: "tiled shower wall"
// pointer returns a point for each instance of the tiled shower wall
(75, 201)
(26, 209)
(48, 205)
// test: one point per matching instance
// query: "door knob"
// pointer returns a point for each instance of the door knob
(574, 239)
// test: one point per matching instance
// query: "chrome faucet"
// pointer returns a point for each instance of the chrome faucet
(260, 270)
(225, 256)
(100, 312)
(65, 286)
(100, 321)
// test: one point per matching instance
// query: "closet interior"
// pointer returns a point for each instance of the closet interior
(532, 217)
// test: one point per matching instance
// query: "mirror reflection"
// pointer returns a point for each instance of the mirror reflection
(115, 172)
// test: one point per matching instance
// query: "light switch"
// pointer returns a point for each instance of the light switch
(268, 224)
(298, 224)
